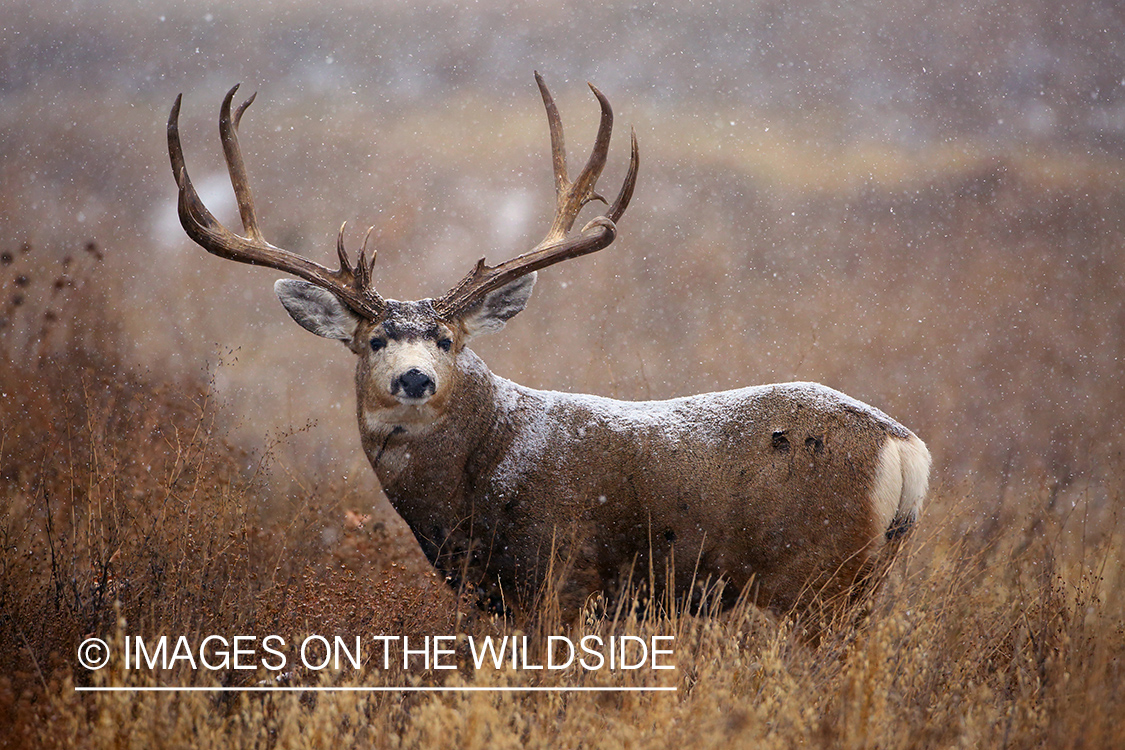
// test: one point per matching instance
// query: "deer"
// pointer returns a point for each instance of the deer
(790, 495)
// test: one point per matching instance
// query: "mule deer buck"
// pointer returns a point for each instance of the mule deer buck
(793, 492)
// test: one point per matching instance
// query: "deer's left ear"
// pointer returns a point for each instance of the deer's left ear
(498, 307)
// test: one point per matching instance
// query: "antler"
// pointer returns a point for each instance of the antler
(352, 284)
(570, 197)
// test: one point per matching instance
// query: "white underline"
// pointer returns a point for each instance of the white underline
(384, 689)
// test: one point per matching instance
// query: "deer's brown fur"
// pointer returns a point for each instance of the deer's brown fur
(794, 492)
(769, 486)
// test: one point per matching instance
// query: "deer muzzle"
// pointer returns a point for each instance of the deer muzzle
(413, 385)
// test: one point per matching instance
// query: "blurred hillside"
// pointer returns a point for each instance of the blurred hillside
(917, 203)
(911, 71)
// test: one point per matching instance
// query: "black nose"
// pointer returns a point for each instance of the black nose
(415, 383)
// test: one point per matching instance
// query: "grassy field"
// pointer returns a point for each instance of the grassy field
(982, 304)
(178, 458)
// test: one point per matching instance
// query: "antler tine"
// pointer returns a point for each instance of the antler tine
(374, 251)
(588, 177)
(228, 133)
(558, 143)
(202, 226)
(570, 197)
(364, 267)
(341, 251)
(622, 201)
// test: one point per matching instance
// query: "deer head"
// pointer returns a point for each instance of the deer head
(407, 350)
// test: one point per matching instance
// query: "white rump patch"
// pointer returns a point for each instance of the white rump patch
(902, 478)
(915, 476)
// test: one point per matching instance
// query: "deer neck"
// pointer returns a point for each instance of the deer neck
(444, 459)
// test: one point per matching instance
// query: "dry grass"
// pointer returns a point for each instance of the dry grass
(976, 296)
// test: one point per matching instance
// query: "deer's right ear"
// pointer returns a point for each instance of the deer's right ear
(317, 310)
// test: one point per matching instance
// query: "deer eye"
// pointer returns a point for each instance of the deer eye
(445, 344)
(378, 343)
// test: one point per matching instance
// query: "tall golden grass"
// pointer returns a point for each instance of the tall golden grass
(979, 299)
